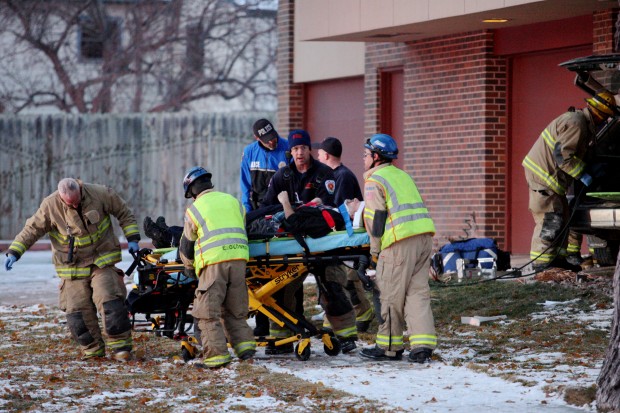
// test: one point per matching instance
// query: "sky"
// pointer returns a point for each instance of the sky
(436, 387)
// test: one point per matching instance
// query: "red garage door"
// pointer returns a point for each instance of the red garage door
(336, 108)
(540, 91)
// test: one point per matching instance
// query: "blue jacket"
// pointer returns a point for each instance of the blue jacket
(258, 165)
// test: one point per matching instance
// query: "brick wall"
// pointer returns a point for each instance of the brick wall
(454, 126)
(604, 29)
(290, 95)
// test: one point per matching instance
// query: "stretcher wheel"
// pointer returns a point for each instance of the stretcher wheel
(305, 353)
(336, 347)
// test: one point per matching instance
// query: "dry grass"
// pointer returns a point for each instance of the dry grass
(40, 367)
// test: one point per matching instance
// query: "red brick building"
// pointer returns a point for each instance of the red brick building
(464, 98)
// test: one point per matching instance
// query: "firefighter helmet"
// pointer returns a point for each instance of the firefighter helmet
(604, 104)
(191, 176)
(383, 144)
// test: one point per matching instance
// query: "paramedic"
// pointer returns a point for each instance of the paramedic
(303, 180)
(553, 162)
(214, 246)
(401, 240)
(347, 188)
(260, 161)
(77, 218)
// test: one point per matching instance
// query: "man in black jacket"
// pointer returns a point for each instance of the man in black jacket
(305, 179)
(347, 187)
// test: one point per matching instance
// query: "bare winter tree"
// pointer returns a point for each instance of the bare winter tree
(94, 56)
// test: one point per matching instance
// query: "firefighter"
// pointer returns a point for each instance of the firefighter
(303, 180)
(553, 162)
(401, 240)
(347, 188)
(214, 246)
(77, 218)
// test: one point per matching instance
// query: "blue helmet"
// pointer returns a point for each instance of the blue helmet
(383, 144)
(191, 176)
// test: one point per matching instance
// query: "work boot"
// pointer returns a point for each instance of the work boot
(574, 259)
(558, 262)
(347, 345)
(377, 353)
(272, 349)
(362, 326)
(247, 355)
(420, 355)
(122, 354)
(97, 354)
(160, 236)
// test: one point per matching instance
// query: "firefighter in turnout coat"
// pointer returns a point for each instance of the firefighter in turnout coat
(401, 240)
(214, 246)
(553, 162)
(77, 218)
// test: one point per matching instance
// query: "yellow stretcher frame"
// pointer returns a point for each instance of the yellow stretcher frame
(265, 276)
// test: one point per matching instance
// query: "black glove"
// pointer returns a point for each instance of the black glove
(373, 262)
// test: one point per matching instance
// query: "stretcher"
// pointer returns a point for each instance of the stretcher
(161, 287)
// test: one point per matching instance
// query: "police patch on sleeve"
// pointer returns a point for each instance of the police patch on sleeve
(330, 185)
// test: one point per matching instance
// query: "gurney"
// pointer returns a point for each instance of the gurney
(274, 263)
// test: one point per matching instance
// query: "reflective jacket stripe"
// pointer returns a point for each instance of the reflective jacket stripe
(221, 234)
(108, 259)
(73, 272)
(18, 247)
(103, 226)
(544, 175)
(407, 218)
(131, 229)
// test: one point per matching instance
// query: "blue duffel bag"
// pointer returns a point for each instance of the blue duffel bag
(471, 250)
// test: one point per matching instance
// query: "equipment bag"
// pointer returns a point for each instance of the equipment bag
(472, 250)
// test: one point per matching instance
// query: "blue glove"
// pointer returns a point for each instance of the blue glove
(133, 246)
(586, 179)
(10, 260)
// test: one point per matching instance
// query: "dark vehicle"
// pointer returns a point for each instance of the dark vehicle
(597, 208)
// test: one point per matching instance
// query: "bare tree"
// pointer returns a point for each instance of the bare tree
(94, 56)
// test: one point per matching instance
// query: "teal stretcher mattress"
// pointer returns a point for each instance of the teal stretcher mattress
(290, 246)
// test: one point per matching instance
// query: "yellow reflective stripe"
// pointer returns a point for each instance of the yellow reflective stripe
(70, 272)
(369, 213)
(416, 340)
(346, 332)
(537, 256)
(578, 169)
(549, 140)
(573, 248)
(218, 360)
(116, 344)
(280, 333)
(388, 341)
(18, 246)
(544, 175)
(245, 346)
(131, 229)
(102, 228)
(366, 316)
(107, 259)
(59, 237)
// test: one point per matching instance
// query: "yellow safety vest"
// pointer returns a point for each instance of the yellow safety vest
(407, 214)
(221, 230)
